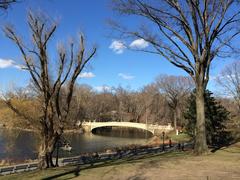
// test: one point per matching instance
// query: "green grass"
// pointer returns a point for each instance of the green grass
(180, 137)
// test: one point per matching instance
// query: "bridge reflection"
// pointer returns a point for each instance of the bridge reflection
(122, 132)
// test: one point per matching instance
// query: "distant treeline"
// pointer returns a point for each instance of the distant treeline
(161, 102)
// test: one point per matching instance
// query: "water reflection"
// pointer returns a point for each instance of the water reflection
(17, 145)
(21, 145)
(122, 132)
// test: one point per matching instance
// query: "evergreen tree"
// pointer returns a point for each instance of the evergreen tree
(216, 118)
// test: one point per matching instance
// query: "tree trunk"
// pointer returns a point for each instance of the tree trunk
(46, 152)
(200, 139)
(175, 119)
(56, 164)
(238, 105)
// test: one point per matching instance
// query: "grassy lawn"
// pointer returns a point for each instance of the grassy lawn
(98, 170)
(223, 164)
(180, 137)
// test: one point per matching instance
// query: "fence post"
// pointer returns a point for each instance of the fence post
(163, 134)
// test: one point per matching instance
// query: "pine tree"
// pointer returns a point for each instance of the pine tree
(216, 118)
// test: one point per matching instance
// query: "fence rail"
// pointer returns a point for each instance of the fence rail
(99, 157)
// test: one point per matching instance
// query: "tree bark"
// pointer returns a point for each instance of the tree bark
(175, 119)
(200, 139)
(45, 156)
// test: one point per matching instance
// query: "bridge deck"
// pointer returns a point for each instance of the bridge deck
(148, 127)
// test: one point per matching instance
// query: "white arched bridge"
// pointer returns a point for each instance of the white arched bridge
(153, 128)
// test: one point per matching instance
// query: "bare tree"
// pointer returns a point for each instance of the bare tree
(229, 80)
(5, 4)
(82, 101)
(55, 91)
(124, 102)
(189, 34)
(175, 89)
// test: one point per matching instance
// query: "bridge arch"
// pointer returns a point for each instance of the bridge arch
(142, 128)
(89, 126)
(120, 124)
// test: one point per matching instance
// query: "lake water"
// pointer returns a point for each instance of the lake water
(17, 146)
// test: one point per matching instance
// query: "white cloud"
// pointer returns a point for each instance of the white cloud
(126, 76)
(87, 75)
(102, 88)
(117, 46)
(6, 63)
(212, 78)
(139, 44)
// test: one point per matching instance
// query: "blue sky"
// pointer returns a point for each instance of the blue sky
(111, 67)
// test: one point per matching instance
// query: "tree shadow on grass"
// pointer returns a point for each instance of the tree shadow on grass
(126, 160)
(224, 140)
(75, 172)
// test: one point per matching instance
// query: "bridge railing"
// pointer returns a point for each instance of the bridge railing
(169, 127)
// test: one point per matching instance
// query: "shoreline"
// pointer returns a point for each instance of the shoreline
(177, 165)
(34, 130)
(18, 128)
(115, 152)
(149, 144)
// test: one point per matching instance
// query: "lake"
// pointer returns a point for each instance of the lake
(17, 145)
